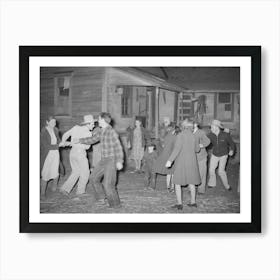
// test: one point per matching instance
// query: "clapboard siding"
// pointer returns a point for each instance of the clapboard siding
(86, 90)
(46, 99)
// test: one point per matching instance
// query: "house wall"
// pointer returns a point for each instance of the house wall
(233, 125)
(86, 90)
(87, 87)
(115, 78)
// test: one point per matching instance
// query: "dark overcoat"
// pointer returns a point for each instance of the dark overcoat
(159, 166)
(185, 161)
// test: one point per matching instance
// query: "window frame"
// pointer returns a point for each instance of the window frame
(56, 95)
(129, 103)
(216, 102)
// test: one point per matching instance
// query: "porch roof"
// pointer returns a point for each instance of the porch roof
(152, 80)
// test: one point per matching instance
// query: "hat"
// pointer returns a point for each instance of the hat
(217, 123)
(88, 119)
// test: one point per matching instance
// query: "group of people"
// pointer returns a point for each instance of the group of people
(180, 154)
(82, 138)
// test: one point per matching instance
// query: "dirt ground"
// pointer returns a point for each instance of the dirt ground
(134, 199)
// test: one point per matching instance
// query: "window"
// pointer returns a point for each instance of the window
(224, 108)
(62, 100)
(126, 101)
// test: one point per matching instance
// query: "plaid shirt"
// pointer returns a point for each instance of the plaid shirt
(110, 143)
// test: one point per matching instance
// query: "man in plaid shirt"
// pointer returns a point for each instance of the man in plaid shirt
(111, 158)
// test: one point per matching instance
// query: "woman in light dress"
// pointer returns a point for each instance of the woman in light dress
(137, 141)
(49, 155)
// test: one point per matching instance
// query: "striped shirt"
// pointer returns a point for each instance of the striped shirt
(110, 143)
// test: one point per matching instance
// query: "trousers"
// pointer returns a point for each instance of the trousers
(202, 166)
(221, 162)
(80, 171)
(106, 168)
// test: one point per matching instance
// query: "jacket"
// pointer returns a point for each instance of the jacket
(221, 143)
(46, 146)
(205, 141)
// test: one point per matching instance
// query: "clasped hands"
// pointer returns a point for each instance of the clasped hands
(68, 143)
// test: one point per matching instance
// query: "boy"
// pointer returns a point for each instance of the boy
(111, 158)
(149, 159)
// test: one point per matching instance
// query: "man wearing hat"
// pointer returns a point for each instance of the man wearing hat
(223, 146)
(78, 156)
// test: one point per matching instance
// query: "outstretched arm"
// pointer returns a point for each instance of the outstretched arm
(93, 139)
(66, 135)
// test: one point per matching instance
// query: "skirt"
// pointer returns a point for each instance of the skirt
(51, 165)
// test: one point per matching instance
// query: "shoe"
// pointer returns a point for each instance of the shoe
(177, 206)
(192, 205)
(211, 187)
(229, 189)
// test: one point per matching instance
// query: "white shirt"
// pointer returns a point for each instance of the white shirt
(77, 132)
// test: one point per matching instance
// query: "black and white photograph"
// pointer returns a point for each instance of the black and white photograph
(166, 140)
(139, 139)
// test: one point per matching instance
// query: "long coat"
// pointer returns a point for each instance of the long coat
(159, 166)
(46, 146)
(184, 153)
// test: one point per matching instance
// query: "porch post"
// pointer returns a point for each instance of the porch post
(157, 112)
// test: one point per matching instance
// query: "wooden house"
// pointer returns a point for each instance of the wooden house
(212, 93)
(72, 92)
(69, 93)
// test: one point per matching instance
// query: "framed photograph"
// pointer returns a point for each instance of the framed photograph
(140, 139)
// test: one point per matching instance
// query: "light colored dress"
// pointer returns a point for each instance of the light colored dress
(51, 164)
(137, 147)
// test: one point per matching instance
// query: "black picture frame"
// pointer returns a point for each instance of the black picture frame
(254, 52)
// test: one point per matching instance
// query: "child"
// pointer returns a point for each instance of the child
(149, 159)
